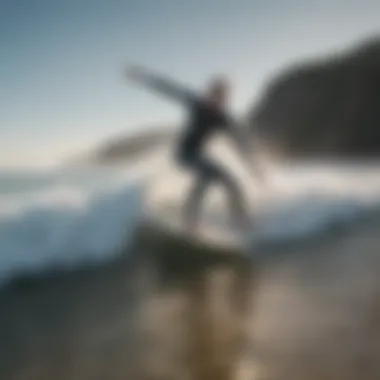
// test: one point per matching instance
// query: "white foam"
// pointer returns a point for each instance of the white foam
(62, 235)
(76, 216)
(298, 200)
(65, 226)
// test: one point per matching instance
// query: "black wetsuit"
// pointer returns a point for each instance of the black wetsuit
(203, 122)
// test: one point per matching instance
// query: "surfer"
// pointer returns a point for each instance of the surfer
(206, 115)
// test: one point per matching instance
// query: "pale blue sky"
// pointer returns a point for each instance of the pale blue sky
(61, 84)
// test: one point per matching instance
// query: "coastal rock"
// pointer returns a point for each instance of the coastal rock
(324, 108)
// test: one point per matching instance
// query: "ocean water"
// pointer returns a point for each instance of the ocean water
(67, 217)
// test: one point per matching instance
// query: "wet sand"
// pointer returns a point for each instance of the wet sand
(172, 310)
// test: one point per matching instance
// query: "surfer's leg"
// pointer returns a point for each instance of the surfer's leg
(235, 195)
(204, 175)
(192, 207)
(210, 172)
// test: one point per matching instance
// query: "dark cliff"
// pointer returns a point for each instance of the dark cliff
(326, 108)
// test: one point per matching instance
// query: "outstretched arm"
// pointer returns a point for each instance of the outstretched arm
(162, 85)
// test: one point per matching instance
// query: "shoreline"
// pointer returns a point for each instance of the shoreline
(261, 249)
(315, 299)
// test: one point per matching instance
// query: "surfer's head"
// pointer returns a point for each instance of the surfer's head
(218, 90)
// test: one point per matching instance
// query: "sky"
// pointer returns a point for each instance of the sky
(61, 62)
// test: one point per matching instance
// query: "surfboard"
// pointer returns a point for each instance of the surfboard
(212, 230)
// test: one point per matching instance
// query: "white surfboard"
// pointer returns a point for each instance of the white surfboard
(211, 230)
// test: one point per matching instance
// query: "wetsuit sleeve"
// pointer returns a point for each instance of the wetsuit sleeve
(168, 88)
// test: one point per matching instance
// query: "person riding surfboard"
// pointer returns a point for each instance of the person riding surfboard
(207, 115)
